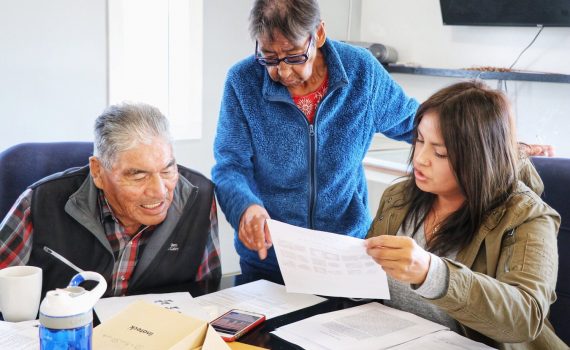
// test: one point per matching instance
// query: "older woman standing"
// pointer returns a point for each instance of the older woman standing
(463, 241)
(296, 121)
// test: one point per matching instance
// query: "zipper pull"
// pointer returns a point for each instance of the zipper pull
(311, 130)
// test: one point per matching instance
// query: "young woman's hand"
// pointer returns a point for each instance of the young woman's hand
(400, 257)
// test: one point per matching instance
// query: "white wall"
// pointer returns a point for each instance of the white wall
(53, 69)
(414, 28)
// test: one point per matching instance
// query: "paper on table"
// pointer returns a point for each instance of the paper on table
(264, 297)
(19, 335)
(443, 340)
(182, 302)
(324, 263)
(371, 326)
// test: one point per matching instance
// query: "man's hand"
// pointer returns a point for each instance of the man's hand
(400, 257)
(253, 232)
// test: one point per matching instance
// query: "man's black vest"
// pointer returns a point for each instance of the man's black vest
(56, 229)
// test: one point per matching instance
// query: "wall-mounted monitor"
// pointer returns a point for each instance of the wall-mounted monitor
(550, 13)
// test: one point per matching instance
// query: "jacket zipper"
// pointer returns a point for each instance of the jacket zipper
(313, 157)
(509, 235)
(313, 154)
(388, 223)
(139, 277)
(312, 166)
(312, 176)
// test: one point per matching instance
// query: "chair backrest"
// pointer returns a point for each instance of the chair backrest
(23, 164)
(555, 174)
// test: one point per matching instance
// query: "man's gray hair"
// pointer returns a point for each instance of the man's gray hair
(295, 19)
(121, 127)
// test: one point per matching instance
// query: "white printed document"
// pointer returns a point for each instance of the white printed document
(324, 263)
(20, 335)
(182, 302)
(371, 326)
(264, 297)
(443, 340)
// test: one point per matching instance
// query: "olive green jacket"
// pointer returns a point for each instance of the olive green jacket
(502, 284)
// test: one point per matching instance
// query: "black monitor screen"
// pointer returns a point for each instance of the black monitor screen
(552, 13)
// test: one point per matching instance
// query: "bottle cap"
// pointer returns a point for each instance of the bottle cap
(71, 307)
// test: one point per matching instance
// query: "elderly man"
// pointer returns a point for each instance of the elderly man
(132, 214)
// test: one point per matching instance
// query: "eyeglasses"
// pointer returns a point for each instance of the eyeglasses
(291, 59)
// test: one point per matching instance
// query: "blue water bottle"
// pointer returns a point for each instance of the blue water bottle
(66, 315)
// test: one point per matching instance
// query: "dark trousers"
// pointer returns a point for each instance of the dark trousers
(250, 273)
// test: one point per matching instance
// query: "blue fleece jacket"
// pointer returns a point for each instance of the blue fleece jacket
(306, 175)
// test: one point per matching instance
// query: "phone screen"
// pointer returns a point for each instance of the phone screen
(233, 322)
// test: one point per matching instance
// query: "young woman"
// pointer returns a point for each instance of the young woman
(463, 241)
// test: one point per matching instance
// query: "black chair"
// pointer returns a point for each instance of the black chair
(555, 174)
(23, 164)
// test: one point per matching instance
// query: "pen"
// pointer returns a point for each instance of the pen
(62, 259)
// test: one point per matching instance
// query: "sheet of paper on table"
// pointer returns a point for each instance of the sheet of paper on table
(19, 335)
(182, 302)
(442, 340)
(264, 297)
(324, 263)
(371, 326)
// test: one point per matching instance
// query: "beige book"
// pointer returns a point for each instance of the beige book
(144, 326)
(235, 345)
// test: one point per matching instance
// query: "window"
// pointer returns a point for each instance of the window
(155, 56)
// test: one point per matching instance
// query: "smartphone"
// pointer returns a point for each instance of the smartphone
(235, 323)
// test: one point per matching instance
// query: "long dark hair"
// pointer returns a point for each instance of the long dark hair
(477, 130)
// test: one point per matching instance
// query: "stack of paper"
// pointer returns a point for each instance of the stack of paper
(267, 298)
(19, 335)
(264, 297)
(442, 340)
(371, 326)
(181, 302)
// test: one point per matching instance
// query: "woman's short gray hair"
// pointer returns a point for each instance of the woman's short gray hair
(295, 19)
(121, 127)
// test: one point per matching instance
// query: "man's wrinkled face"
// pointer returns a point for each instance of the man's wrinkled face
(139, 187)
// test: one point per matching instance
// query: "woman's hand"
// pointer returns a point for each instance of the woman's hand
(253, 232)
(400, 257)
(537, 150)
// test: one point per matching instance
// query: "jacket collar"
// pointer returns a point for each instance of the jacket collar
(83, 207)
